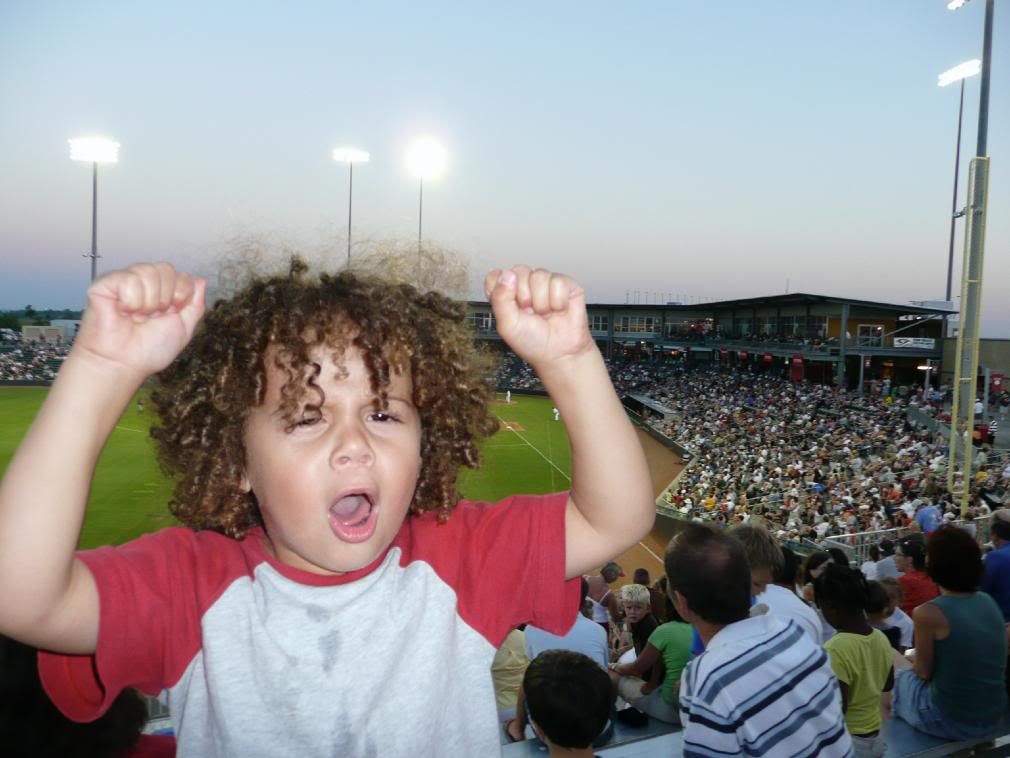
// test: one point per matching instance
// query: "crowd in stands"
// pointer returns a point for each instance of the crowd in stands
(29, 360)
(752, 651)
(812, 460)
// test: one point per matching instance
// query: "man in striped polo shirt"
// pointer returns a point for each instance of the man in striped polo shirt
(761, 687)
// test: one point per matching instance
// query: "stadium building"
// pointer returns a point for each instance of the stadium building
(820, 338)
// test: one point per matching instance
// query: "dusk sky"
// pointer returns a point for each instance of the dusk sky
(696, 149)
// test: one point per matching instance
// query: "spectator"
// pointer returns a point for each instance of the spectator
(812, 567)
(657, 599)
(898, 618)
(839, 556)
(815, 564)
(585, 637)
(869, 567)
(916, 585)
(569, 700)
(879, 606)
(886, 566)
(956, 688)
(996, 581)
(928, 519)
(507, 671)
(767, 564)
(639, 623)
(860, 655)
(606, 609)
(665, 655)
(32, 727)
(668, 613)
(799, 709)
(764, 556)
(331, 594)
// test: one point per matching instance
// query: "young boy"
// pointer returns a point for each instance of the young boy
(569, 700)
(328, 595)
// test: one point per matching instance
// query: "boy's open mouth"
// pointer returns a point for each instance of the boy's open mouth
(353, 516)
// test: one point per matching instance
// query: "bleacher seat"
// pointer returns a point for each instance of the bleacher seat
(654, 739)
(658, 740)
(905, 742)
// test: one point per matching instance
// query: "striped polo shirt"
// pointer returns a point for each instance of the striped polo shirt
(762, 688)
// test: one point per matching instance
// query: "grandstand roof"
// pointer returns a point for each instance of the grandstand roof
(793, 298)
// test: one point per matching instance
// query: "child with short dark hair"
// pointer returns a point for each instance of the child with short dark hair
(328, 592)
(861, 656)
(569, 699)
(898, 618)
(879, 607)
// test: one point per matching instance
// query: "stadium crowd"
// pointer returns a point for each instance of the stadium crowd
(27, 360)
(743, 612)
(812, 460)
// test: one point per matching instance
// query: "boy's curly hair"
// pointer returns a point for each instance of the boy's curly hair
(204, 398)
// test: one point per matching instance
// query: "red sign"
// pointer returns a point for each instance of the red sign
(723, 352)
(996, 383)
(767, 357)
(796, 370)
(744, 355)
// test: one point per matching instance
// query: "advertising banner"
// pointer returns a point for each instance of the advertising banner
(919, 343)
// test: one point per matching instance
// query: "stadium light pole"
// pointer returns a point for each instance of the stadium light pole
(350, 156)
(426, 159)
(958, 73)
(94, 150)
(959, 472)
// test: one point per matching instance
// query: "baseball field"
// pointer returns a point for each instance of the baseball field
(128, 498)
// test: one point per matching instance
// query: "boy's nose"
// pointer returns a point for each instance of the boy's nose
(351, 447)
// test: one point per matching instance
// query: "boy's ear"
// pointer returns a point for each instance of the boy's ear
(680, 603)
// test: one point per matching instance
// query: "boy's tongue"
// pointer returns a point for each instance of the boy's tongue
(351, 509)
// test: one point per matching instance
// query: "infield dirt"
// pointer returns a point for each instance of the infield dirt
(664, 465)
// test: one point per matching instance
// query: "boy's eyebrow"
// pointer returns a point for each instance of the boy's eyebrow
(397, 398)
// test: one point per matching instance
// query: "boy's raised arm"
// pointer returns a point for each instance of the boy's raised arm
(137, 321)
(542, 317)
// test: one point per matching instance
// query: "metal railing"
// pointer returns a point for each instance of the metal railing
(857, 546)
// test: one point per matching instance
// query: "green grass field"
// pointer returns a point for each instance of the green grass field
(129, 495)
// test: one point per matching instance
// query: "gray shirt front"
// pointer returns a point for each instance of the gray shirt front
(887, 568)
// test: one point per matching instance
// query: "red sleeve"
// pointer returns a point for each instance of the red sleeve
(149, 619)
(511, 567)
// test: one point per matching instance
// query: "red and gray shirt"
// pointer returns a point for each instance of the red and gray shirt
(254, 657)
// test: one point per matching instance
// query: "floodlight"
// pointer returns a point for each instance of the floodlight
(94, 150)
(350, 155)
(959, 72)
(426, 158)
